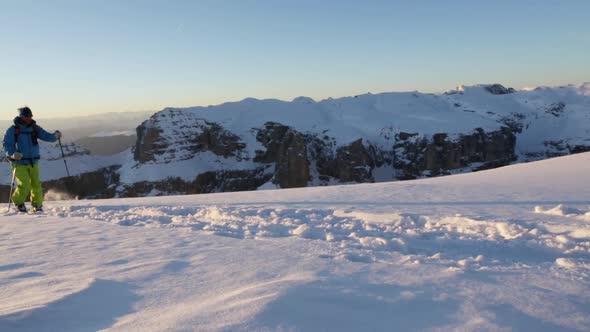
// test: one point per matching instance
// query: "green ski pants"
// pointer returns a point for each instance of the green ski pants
(27, 181)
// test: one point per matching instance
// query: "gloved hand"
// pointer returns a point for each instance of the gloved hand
(57, 134)
(17, 156)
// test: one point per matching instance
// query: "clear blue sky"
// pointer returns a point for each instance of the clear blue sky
(64, 57)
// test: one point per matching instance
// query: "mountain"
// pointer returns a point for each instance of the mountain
(506, 249)
(255, 144)
(265, 144)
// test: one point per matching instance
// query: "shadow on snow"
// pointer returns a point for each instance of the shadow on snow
(94, 308)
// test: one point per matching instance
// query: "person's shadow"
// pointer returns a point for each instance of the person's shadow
(94, 308)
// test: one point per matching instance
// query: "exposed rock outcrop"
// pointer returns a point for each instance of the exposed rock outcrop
(417, 156)
(183, 137)
(556, 109)
(208, 182)
(148, 144)
(299, 159)
(218, 140)
(287, 149)
(354, 163)
(498, 89)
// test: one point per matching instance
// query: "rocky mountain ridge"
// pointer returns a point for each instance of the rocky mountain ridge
(367, 138)
(263, 144)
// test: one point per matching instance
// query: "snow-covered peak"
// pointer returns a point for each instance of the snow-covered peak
(346, 119)
(303, 100)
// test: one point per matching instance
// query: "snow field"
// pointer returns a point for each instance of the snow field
(505, 249)
(406, 233)
(287, 268)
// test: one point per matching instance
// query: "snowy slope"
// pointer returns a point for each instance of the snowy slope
(505, 249)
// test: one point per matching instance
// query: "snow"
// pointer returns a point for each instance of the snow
(566, 263)
(502, 249)
(565, 211)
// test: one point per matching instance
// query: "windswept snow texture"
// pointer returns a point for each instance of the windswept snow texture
(505, 249)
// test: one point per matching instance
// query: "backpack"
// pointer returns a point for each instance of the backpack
(34, 134)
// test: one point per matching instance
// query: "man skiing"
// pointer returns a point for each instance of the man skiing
(22, 149)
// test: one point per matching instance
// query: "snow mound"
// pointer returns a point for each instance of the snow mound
(565, 211)
(566, 263)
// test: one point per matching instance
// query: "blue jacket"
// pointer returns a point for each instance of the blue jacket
(26, 142)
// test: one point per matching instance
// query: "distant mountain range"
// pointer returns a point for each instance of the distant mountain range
(104, 124)
(261, 144)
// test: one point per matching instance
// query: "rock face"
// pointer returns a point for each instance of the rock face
(186, 136)
(208, 182)
(300, 159)
(217, 140)
(499, 89)
(556, 109)
(98, 184)
(290, 158)
(287, 149)
(354, 163)
(417, 156)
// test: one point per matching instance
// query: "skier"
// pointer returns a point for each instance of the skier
(22, 149)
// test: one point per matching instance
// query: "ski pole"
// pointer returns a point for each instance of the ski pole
(63, 156)
(11, 188)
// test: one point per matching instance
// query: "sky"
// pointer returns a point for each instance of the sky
(76, 57)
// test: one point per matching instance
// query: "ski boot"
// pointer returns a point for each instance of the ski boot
(21, 208)
(37, 208)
